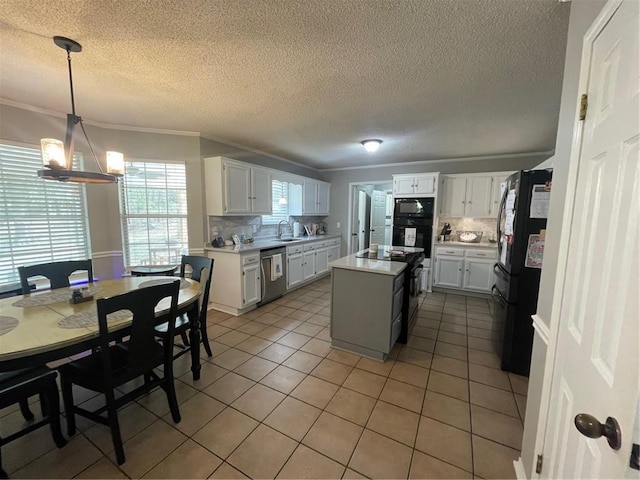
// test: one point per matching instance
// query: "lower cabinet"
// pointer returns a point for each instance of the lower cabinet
(237, 281)
(363, 323)
(306, 262)
(465, 268)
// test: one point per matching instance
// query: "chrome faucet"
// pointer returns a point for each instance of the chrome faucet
(280, 229)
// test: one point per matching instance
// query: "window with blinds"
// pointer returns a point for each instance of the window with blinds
(280, 203)
(153, 211)
(41, 221)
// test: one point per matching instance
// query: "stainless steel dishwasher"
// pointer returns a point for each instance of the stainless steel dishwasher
(273, 273)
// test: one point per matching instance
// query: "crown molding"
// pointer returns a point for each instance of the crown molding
(442, 160)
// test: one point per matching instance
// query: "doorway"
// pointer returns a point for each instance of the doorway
(370, 214)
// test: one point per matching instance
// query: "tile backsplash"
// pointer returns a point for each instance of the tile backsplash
(485, 225)
(252, 226)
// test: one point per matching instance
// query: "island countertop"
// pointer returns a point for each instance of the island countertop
(385, 267)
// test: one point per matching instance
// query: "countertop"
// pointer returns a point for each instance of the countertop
(385, 267)
(268, 243)
(467, 244)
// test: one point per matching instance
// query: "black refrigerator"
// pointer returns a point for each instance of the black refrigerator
(521, 229)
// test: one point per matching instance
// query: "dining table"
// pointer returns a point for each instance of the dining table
(45, 326)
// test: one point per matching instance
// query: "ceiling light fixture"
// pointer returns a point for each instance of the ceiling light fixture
(371, 145)
(57, 157)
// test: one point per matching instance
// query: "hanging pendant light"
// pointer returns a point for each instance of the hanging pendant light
(57, 157)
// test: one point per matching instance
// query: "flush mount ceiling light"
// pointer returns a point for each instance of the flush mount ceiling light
(57, 157)
(371, 145)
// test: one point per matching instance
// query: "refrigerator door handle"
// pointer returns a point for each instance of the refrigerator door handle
(495, 292)
(503, 202)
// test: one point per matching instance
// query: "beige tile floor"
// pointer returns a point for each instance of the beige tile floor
(276, 401)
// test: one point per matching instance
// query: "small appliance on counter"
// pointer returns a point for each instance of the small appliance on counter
(296, 229)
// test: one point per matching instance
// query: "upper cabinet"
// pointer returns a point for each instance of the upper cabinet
(415, 185)
(236, 188)
(315, 197)
(475, 195)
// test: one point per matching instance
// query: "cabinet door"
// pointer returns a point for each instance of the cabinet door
(294, 270)
(322, 260)
(453, 196)
(424, 184)
(323, 198)
(449, 271)
(403, 186)
(478, 275)
(251, 290)
(237, 188)
(261, 191)
(308, 265)
(334, 253)
(497, 190)
(309, 196)
(478, 198)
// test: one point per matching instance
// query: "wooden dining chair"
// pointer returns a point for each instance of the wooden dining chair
(115, 365)
(202, 272)
(16, 387)
(57, 272)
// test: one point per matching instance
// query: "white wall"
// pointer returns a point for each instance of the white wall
(583, 12)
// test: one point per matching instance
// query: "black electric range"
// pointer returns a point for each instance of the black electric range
(412, 279)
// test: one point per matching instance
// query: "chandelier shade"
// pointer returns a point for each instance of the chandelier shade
(57, 156)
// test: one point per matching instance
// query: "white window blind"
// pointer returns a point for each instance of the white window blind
(41, 221)
(280, 210)
(153, 210)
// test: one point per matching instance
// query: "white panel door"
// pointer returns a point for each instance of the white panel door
(497, 189)
(322, 207)
(309, 196)
(294, 270)
(237, 188)
(251, 289)
(478, 197)
(449, 271)
(425, 185)
(453, 196)
(261, 191)
(596, 366)
(378, 216)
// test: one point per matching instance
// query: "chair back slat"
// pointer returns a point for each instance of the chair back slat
(57, 272)
(202, 272)
(142, 304)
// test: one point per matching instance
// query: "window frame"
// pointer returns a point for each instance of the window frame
(283, 191)
(173, 258)
(54, 226)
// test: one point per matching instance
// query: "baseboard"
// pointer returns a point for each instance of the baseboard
(519, 468)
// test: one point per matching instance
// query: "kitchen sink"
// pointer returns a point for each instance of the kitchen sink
(290, 240)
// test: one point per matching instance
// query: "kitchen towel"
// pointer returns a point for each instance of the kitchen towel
(409, 237)
(276, 267)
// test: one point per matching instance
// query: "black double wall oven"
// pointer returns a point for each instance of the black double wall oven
(414, 213)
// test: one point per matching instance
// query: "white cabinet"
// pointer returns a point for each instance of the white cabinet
(294, 266)
(449, 267)
(322, 260)
(334, 250)
(236, 188)
(315, 197)
(478, 275)
(251, 287)
(237, 280)
(466, 196)
(415, 185)
(465, 268)
(308, 265)
(497, 190)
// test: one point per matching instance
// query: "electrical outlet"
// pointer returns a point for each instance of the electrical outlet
(338, 225)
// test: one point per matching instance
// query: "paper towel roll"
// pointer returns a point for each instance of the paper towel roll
(296, 229)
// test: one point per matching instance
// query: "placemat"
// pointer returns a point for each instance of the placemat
(7, 324)
(161, 281)
(89, 318)
(54, 296)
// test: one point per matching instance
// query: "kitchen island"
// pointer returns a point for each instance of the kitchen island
(367, 298)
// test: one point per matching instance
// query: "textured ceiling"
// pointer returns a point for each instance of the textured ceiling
(302, 80)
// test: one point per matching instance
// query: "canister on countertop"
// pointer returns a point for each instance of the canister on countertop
(296, 229)
(373, 250)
